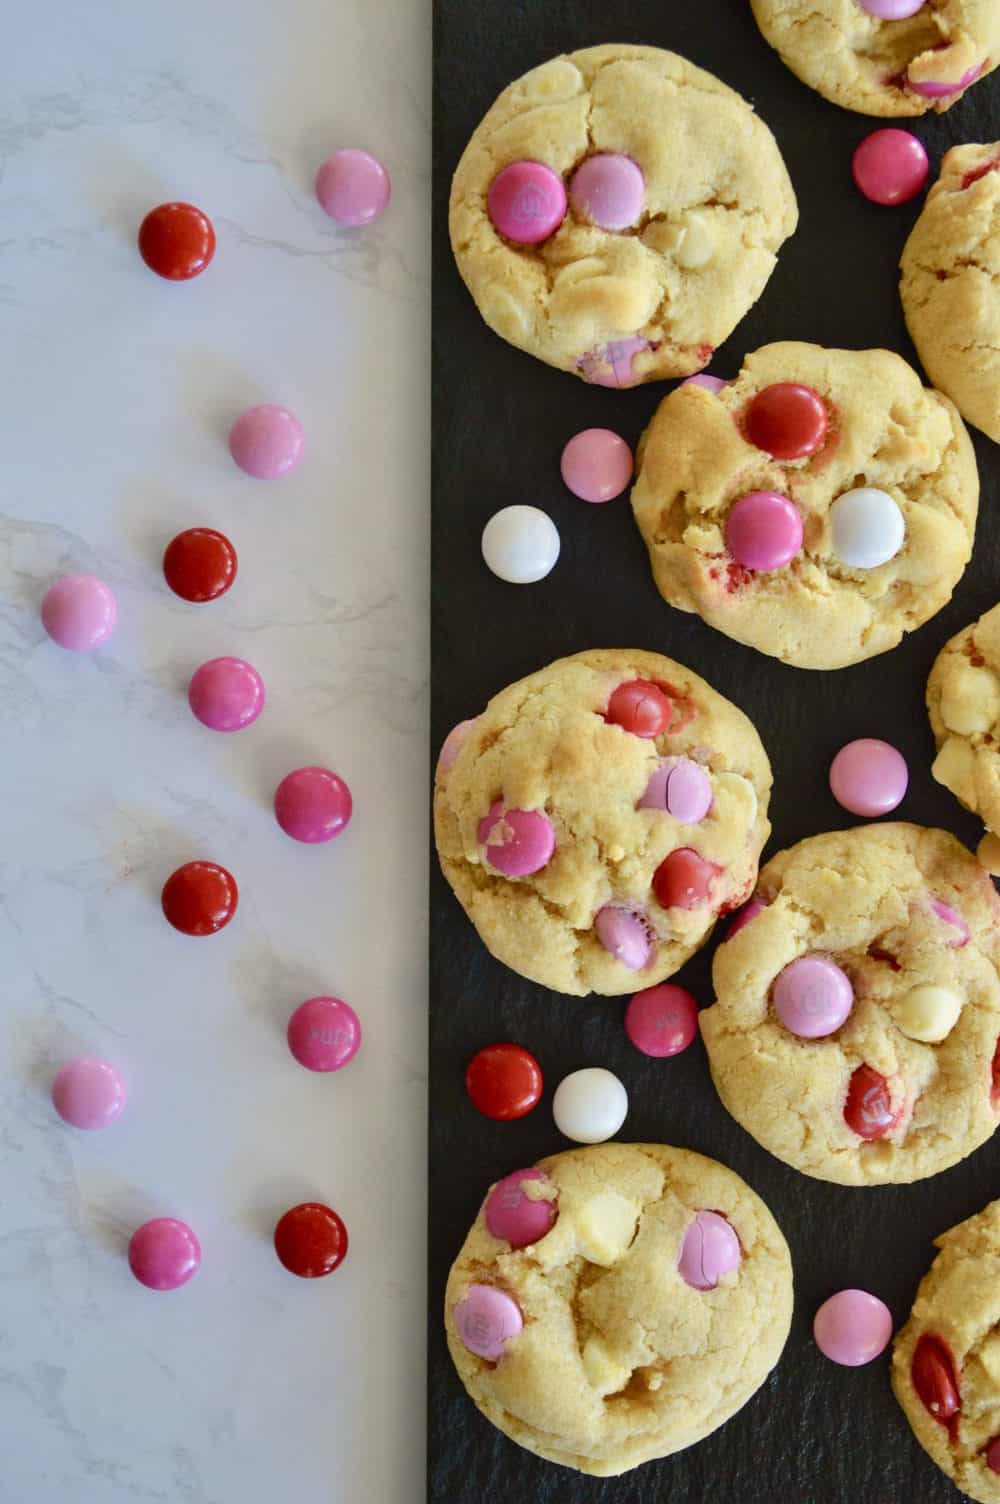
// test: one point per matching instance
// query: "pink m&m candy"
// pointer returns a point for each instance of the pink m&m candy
(662, 1021)
(526, 202)
(486, 1320)
(596, 465)
(868, 777)
(852, 1327)
(682, 788)
(452, 746)
(950, 916)
(267, 441)
(164, 1254)
(226, 694)
(88, 1093)
(353, 187)
(939, 88)
(890, 166)
(764, 530)
(743, 916)
(517, 841)
(613, 364)
(515, 1217)
(710, 1250)
(812, 997)
(608, 189)
(713, 384)
(79, 612)
(892, 10)
(625, 934)
(324, 1034)
(312, 805)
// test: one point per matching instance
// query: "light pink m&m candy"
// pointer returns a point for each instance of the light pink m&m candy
(813, 997)
(596, 465)
(226, 694)
(527, 202)
(88, 1093)
(713, 384)
(486, 1320)
(950, 916)
(517, 842)
(764, 530)
(608, 189)
(710, 1250)
(312, 805)
(682, 788)
(515, 1217)
(662, 1021)
(852, 1327)
(892, 10)
(452, 746)
(869, 777)
(890, 166)
(267, 441)
(613, 364)
(164, 1254)
(625, 934)
(353, 187)
(79, 612)
(324, 1034)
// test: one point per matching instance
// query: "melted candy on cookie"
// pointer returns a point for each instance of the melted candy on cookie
(933, 1375)
(640, 707)
(683, 880)
(980, 172)
(868, 1109)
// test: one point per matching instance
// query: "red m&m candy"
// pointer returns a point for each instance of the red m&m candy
(683, 879)
(868, 1109)
(787, 420)
(504, 1081)
(199, 564)
(640, 707)
(176, 241)
(311, 1240)
(200, 898)
(933, 1375)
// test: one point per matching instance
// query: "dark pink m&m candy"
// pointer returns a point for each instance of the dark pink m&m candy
(324, 1034)
(312, 805)
(662, 1021)
(226, 694)
(527, 202)
(515, 1216)
(516, 842)
(764, 530)
(890, 166)
(164, 1254)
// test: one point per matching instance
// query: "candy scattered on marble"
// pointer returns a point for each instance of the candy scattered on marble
(486, 1319)
(200, 898)
(176, 241)
(163, 1254)
(267, 441)
(625, 934)
(764, 530)
(852, 1328)
(516, 842)
(683, 880)
(787, 420)
(813, 997)
(608, 189)
(517, 1216)
(520, 545)
(890, 166)
(869, 777)
(590, 1105)
(867, 528)
(868, 1109)
(596, 465)
(353, 187)
(503, 1081)
(641, 708)
(324, 1034)
(89, 1093)
(310, 1240)
(710, 1251)
(526, 202)
(199, 564)
(312, 805)
(226, 694)
(79, 612)
(662, 1021)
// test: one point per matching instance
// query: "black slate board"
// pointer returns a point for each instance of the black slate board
(815, 1433)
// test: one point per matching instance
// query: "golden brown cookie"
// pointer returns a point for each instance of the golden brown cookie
(963, 700)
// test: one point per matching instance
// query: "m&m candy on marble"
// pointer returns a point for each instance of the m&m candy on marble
(200, 898)
(520, 545)
(89, 1093)
(504, 1081)
(226, 694)
(353, 187)
(176, 241)
(324, 1034)
(312, 805)
(590, 1105)
(267, 441)
(164, 1254)
(311, 1240)
(199, 564)
(79, 612)
(852, 1328)
(869, 777)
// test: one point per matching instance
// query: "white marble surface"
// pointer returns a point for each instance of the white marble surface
(247, 1385)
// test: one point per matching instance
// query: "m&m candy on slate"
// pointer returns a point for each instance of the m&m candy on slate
(504, 1081)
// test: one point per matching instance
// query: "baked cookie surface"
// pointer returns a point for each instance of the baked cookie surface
(946, 1359)
(614, 1356)
(713, 204)
(884, 505)
(950, 283)
(855, 1032)
(878, 65)
(598, 815)
(963, 701)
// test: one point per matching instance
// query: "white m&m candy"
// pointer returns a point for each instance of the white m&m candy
(590, 1105)
(868, 528)
(521, 544)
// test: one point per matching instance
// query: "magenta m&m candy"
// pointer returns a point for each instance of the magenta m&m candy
(312, 805)
(226, 694)
(324, 1034)
(164, 1254)
(88, 1093)
(812, 997)
(869, 777)
(890, 166)
(516, 1216)
(79, 612)
(743, 916)
(713, 384)
(526, 202)
(596, 465)
(852, 1328)
(516, 842)
(930, 88)
(608, 189)
(682, 788)
(353, 187)
(486, 1320)
(625, 934)
(945, 912)
(452, 746)
(267, 441)
(662, 1021)
(710, 1251)
(764, 530)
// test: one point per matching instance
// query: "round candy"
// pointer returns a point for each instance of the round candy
(267, 441)
(743, 916)
(310, 1240)
(200, 898)
(520, 545)
(608, 189)
(869, 777)
(867, 528)
(868, 1109)
(596, 464)
(590, 1106)
(787, 420)
(852, 1328)
(933, 1375)
(515, 1217)
(526, 202)
(945, 912)
(176, 241)
(503, 1081)
(226, 694)
(613, 364)
(452, 746)
(682, 788)
(764, 530)
(927, 1013)
(353, 187)
(813, 997)
(199, 564)
(517, 841)
(683, 880)
(662, 1021)
(486, 1320)
(713, 384)
(625, 934)
(324, 1034)
(312, 805)
(79, 612)
(710, 1250)
(163, 1254)
(892, 10)
(933, 89)
(890, 166)
(993, 1455)
(640, 707)
(88, 1093)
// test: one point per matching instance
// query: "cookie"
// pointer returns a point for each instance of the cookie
(946, 1359)
(950, 283)
(885, 57)
(816, 508)
(618, 1303)
(855, 1032)
(598, 816)
(617, 212)
(963, 700)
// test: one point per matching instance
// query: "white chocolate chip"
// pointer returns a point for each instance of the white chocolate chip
(954, 765)
(927, 1013)
(970, 700)
(606, 1227)
(989, 1356)
(697, 246)
(604, 1371)
(988, 853)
